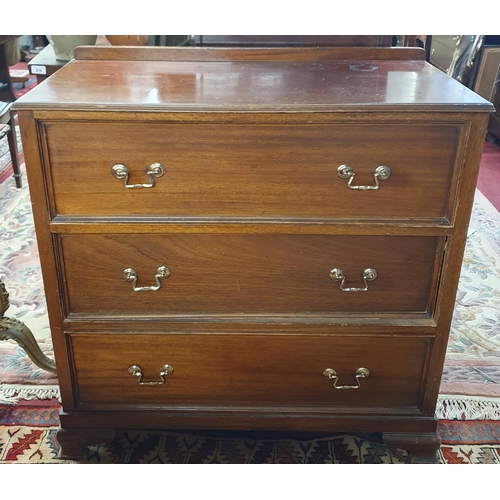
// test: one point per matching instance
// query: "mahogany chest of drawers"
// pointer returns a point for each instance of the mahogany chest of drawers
(251, 238)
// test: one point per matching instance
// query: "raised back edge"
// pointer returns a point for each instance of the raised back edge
(292, 40)
(214, 54)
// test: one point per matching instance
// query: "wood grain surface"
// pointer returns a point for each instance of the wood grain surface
(252, 86)
(258, 171)
(292, 40)
(248, 273)
(212, 370)
(250, 218)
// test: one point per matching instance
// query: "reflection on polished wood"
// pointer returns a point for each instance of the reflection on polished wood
(253, 220)
(12, 329)
(326, 84)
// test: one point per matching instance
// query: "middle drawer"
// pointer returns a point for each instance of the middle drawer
(249, 274)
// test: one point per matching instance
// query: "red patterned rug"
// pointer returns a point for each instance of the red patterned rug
(28, 435)
(469, 442)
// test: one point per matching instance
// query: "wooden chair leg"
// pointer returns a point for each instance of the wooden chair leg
(12, 139)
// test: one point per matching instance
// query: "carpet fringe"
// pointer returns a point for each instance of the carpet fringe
(467, 408)
(448, 407)
(11, 394)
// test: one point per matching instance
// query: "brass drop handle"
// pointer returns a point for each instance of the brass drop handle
(346, 172)
(369, 274)
(161, 273)
(155, 170)
(331, 374)
(136, 371)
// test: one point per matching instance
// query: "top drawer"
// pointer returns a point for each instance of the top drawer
(253, 171)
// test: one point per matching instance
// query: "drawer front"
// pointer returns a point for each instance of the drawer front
(263, 370)
(258, 171)
(249, 274)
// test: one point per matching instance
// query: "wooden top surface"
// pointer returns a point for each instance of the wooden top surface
(47, 57)
(252, 85)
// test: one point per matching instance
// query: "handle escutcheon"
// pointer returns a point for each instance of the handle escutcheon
(136, 371)
(331, 374)
(155, 170)
(161, 273)
(369, 274)
(382, 172)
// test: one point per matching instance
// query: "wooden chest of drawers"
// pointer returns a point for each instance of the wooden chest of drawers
(251, 238)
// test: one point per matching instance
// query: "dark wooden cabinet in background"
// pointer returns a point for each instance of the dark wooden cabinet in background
(292, 40)
(258, 238)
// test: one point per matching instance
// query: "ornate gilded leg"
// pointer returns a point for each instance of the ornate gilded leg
(16, 330)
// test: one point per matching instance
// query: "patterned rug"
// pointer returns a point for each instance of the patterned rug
(470, 387)
(20, 271)
(28, 435)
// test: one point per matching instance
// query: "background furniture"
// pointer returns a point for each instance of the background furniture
(494, 123)
(7, 96)
(292, 40)
(7, 93)
(45, 64)
(486, 78)
(474, 60)
(442, 49)
(270, 244)
(9, 130)
(487, 84)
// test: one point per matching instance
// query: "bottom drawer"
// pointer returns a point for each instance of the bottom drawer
(248, 370)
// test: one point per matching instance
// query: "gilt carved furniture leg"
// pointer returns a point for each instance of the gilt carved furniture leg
(16, 330)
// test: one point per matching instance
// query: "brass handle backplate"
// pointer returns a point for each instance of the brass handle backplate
(331, 374)
(368, 275)
(136, 371)
(161, 273)
(346, 172)
(155, 170)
